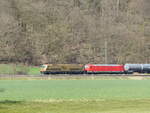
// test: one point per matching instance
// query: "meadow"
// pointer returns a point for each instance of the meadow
(74, 96)
(17, 69)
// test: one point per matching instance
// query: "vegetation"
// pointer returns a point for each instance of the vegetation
(74, 31)
(29, 90)
(102, 106)
(18, 69)
(74, 96)
(33, 32)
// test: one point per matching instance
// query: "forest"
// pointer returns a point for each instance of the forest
(74, 31)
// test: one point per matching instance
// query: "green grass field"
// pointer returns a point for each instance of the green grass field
(74, 96)
(10, 69)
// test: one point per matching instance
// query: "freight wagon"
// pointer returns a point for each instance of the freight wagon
(139, 68)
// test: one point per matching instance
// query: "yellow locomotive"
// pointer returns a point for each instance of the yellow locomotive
(62, 69)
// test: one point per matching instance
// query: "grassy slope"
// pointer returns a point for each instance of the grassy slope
(16, 69)
(74, 96)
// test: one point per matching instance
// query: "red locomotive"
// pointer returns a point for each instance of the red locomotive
(104, 68)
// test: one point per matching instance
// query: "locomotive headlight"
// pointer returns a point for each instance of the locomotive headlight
(43, 67)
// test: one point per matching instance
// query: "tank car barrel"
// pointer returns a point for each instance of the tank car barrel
(141, 68)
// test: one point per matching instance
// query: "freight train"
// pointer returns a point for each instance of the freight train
(94, 68)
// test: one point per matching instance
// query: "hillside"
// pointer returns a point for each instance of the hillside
(74, 31)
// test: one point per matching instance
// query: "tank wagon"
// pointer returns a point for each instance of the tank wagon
(94, 68)
(139, 68)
